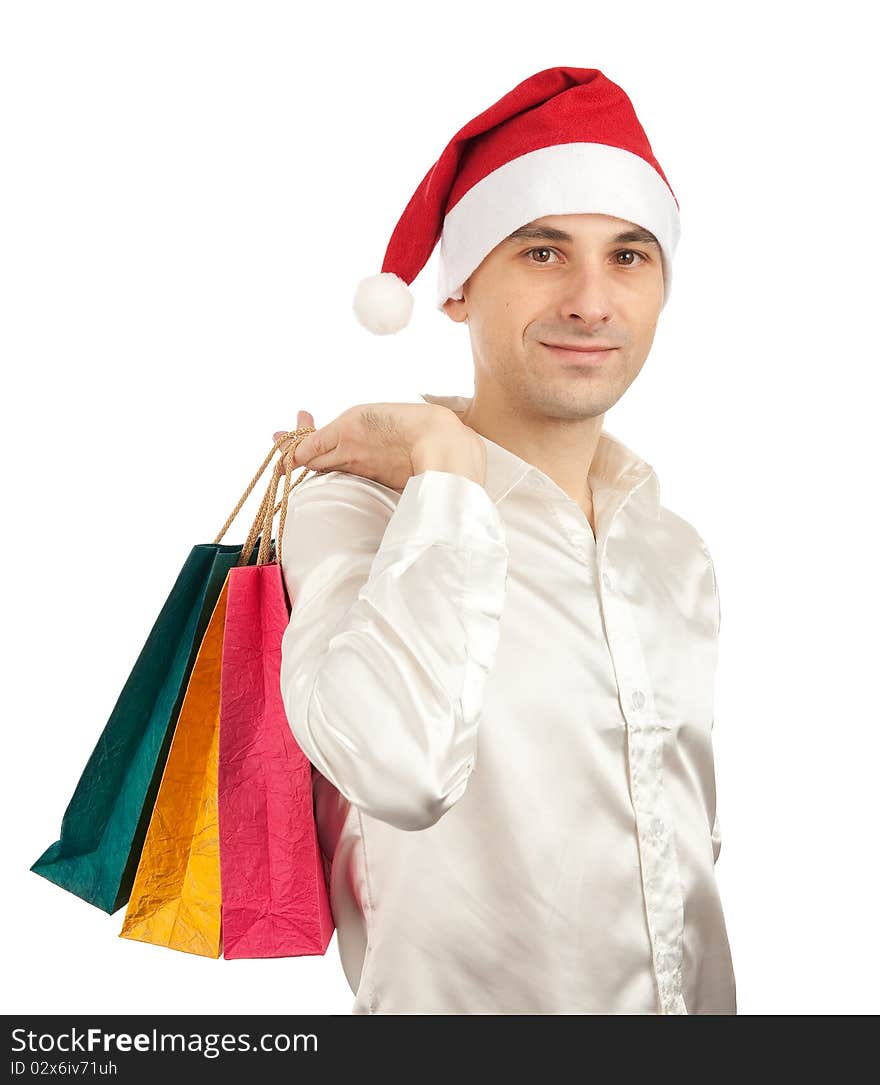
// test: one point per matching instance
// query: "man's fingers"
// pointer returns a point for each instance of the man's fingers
(304, 420)
(319, 450)
(308, 448)
(316, 450)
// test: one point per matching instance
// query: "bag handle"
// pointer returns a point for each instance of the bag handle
(268, 508)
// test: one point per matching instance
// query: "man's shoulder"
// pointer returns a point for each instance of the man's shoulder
(680, 531)
(342, 508)
(343, 484)
(684, 549)
(335, 515)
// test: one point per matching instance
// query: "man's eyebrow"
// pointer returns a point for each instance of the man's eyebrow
(636, 235)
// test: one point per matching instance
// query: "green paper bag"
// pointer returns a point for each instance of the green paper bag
(105, 824)
(106, 821)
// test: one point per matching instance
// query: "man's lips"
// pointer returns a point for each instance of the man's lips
(580, 348)
(580, 357)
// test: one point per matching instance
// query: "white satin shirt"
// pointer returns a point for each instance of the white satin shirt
(512, 725)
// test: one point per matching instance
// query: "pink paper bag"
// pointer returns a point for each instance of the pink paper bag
(274, 892)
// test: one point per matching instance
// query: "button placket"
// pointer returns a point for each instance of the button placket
(646, 734)
(560, 505)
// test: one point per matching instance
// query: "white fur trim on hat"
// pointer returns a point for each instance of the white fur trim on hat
(564, 179)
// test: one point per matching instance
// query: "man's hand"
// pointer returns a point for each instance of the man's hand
(391, 442)
(303, 420)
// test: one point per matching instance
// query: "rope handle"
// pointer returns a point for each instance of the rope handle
(288, 442)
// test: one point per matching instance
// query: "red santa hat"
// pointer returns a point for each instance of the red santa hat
(564, 141)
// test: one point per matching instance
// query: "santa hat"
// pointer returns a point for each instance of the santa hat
(564, 141)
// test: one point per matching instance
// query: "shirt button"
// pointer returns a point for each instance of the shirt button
(638, 699)
(606, 580)
(657, 825)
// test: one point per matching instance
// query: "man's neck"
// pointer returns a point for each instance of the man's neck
(562, 449)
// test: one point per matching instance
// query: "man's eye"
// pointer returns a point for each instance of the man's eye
(530, 251)
(622, 252)
(631, 252)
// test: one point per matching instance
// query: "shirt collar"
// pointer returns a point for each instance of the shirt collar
(615, 466)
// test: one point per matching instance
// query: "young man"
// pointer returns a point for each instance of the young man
(502, 647)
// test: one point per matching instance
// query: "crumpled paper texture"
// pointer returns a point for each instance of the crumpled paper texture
(274, 896)
(175, 900)
(106, 820)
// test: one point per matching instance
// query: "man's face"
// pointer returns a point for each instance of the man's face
(583, 289)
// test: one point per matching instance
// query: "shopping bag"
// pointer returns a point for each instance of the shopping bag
(175, 900)
(105, 823)
(274, 890)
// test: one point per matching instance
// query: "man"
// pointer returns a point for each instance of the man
(502, 647)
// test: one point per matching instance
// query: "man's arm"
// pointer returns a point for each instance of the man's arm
(393, 632)
(716, 838)
(716, 824)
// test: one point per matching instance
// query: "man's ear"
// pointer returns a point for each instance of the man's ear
(456, 309)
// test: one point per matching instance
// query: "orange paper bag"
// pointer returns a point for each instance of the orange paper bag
(175, 900)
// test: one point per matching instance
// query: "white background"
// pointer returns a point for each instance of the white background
(190, 193)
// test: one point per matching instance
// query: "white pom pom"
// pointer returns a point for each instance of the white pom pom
(383, 303)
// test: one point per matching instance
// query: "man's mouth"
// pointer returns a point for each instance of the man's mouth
(582, 346)
(581, 355)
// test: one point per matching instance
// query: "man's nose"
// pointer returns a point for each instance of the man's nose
(585, 293)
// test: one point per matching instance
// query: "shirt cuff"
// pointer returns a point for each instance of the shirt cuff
(444, 507)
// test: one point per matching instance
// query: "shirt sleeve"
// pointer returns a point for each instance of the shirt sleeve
(716, 825)
(396, 602)
(715, 590)
(716, 838)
